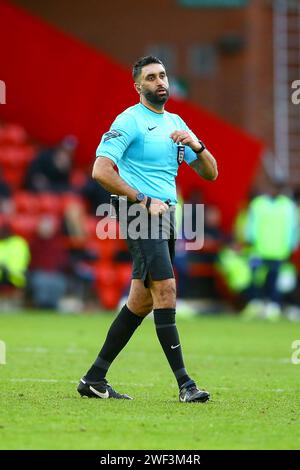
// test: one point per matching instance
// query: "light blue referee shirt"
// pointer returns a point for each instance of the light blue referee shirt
(139, 143)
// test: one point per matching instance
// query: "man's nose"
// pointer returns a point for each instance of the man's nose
(160, 81)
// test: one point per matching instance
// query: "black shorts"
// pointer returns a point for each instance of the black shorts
(153, 252)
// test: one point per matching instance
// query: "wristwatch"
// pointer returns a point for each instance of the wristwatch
(139, 197)
(202, 147)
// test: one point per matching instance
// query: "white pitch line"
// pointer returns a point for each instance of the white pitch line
(41, 350)
(282, 360)
(38, 350)
(43, 380)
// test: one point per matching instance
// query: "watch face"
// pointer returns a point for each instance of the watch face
(140, 197)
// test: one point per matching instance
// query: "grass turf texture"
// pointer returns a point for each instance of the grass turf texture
(246, 367)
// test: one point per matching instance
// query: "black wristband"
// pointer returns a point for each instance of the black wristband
(202, 147)
(148, 203)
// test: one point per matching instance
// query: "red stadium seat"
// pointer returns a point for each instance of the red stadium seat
(78, 178)
(70, 198)
(201, 269)
(107, 284)
(92, 245)
(91, 226)
(111, 280)
(13, 133)
(124, 271)
(24, 225)
(50, 203)
(15, 156)
(122, 244)
(108, 248)
(4, 219)
(110, 298)
(13, 177)
(14, 161)
(26, 203)
(105, 273)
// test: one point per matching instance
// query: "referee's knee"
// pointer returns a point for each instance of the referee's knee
(164, 293)
(141, 310)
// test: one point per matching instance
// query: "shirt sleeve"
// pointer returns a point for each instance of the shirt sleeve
(120, 135)
(189, 154)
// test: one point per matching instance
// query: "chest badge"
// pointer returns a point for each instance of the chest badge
(180, 154)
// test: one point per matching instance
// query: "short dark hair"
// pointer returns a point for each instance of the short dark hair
(141, 62)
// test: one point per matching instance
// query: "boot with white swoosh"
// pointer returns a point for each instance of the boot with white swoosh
(190, 393)
(99, 390)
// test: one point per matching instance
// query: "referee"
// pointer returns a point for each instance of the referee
(148, 144)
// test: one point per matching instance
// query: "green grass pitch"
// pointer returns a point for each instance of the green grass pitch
(246, 366)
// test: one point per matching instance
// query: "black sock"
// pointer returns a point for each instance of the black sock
(117, 337)
(167, 333)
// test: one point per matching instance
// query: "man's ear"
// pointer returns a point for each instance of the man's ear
(137, 87)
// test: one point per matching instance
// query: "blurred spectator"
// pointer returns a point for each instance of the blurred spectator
(14, 258)
(51, 170)
(74, 226)
(74, 221)
(6, 203)
(49, 263)
(233, 265)
(297, 201)
(5, 191)
(212, 227)
(233, 260)
(241, 219)
(187, 260)
(95, 194)
(180, 261)
(272, 231)
(292, 311)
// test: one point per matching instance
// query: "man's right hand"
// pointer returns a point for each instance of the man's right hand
(157, 207)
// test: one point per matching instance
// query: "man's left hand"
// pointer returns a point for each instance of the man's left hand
(185, 138)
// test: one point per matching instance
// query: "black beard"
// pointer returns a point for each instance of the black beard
(155, 99)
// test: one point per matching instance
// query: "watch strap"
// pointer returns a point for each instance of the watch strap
(202, 147)
(148, 203)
